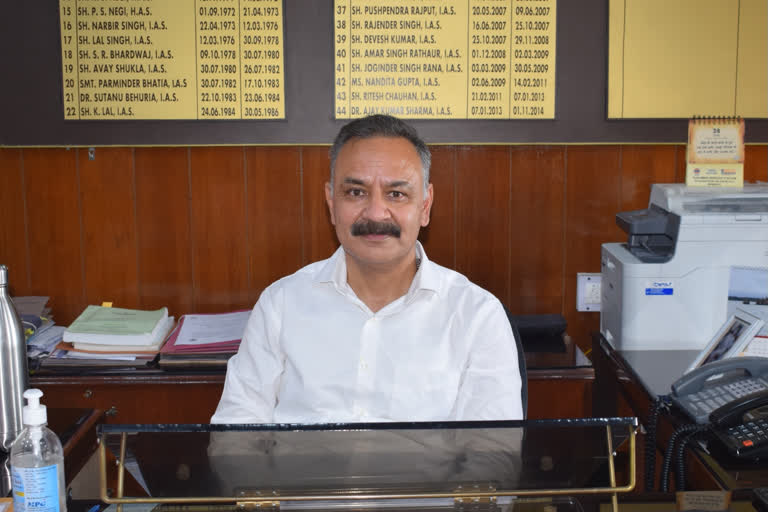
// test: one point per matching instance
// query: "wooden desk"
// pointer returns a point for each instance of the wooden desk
(627, 382)
(138, 396)
(155, 396)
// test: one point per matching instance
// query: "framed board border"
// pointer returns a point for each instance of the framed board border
(32, 112)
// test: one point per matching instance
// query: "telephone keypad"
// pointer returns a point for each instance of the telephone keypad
(745, 387)
(750, 436)
(702, 403)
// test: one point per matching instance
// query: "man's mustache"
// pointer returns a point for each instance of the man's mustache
(371, 227)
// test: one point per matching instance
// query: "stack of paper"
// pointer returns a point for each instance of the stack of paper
(39, 328)
(31, 305)
(106, 332)
(45, 340)
(204, 339)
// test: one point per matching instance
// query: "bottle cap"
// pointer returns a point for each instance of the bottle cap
(34, 413)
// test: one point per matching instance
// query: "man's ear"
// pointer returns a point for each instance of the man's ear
(427, 206)
(329, 201)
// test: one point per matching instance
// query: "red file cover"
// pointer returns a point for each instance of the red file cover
(170, 347)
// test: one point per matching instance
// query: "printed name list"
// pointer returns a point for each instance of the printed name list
(445, 59)
(172, 59)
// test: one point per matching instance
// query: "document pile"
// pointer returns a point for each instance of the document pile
(39, 328)
(204, 340)
(117, 334)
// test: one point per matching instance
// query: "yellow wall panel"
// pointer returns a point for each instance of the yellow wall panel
(683, 58)
(752, 79)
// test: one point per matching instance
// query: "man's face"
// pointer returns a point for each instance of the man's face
(377, 200)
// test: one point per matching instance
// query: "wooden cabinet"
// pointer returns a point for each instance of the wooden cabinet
(153, 398)
(560, 393)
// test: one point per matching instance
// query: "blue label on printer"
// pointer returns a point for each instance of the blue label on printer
(659, 288)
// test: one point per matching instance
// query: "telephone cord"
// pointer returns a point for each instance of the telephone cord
(680, 463)
(670, 452)
(650, 441)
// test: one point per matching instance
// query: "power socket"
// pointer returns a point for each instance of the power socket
(588, 291)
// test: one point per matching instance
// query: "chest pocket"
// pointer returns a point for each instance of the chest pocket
(424, 394)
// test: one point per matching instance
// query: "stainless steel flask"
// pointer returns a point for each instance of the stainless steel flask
(13, 366)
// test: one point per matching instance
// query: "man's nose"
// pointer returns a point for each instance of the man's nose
(377, 209)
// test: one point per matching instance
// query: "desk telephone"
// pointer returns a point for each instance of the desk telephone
(732, 396)
(760, 499)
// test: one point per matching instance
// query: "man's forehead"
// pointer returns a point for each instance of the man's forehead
(379, 147)
(388, 159)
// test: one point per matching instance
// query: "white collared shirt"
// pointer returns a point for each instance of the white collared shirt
(313, 352)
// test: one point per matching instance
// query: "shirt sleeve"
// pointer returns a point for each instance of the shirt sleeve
(490, 388)
(254, 373)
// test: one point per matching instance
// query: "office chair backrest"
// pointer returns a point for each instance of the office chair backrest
(520, 362)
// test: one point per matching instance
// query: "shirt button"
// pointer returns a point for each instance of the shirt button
(363, 365)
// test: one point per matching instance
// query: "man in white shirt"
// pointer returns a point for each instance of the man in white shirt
(377, 332)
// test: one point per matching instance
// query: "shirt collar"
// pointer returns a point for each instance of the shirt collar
(426, 277)
(335, 271)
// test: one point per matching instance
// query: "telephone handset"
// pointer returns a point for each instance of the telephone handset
(732, 395)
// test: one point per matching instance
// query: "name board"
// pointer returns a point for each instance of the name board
(445, 59)
(172, 59)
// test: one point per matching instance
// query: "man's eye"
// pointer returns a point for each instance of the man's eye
(396, 194)
(355, 192)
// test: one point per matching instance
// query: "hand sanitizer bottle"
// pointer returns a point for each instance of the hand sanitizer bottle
(37, 462)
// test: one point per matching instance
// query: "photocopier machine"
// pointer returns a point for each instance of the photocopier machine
(667, 287)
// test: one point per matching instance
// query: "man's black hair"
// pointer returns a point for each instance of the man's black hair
(380, 125)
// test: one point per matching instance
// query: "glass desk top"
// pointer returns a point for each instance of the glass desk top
(295, 463)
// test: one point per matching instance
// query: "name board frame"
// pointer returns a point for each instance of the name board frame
(32, 103)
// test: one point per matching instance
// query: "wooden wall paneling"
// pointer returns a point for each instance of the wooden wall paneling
(755, 163)
(219, 229)
(483, 235)
(536, 214)
(319, 236)
(593, 197)
(13, 233)
(54, 230)
(641, 166)
(439, 237)
(107, 195)
(164, 230)
(680, 163)
(273, 215)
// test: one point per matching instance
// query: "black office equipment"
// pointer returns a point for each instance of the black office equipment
(760, 499)
(732, 396)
